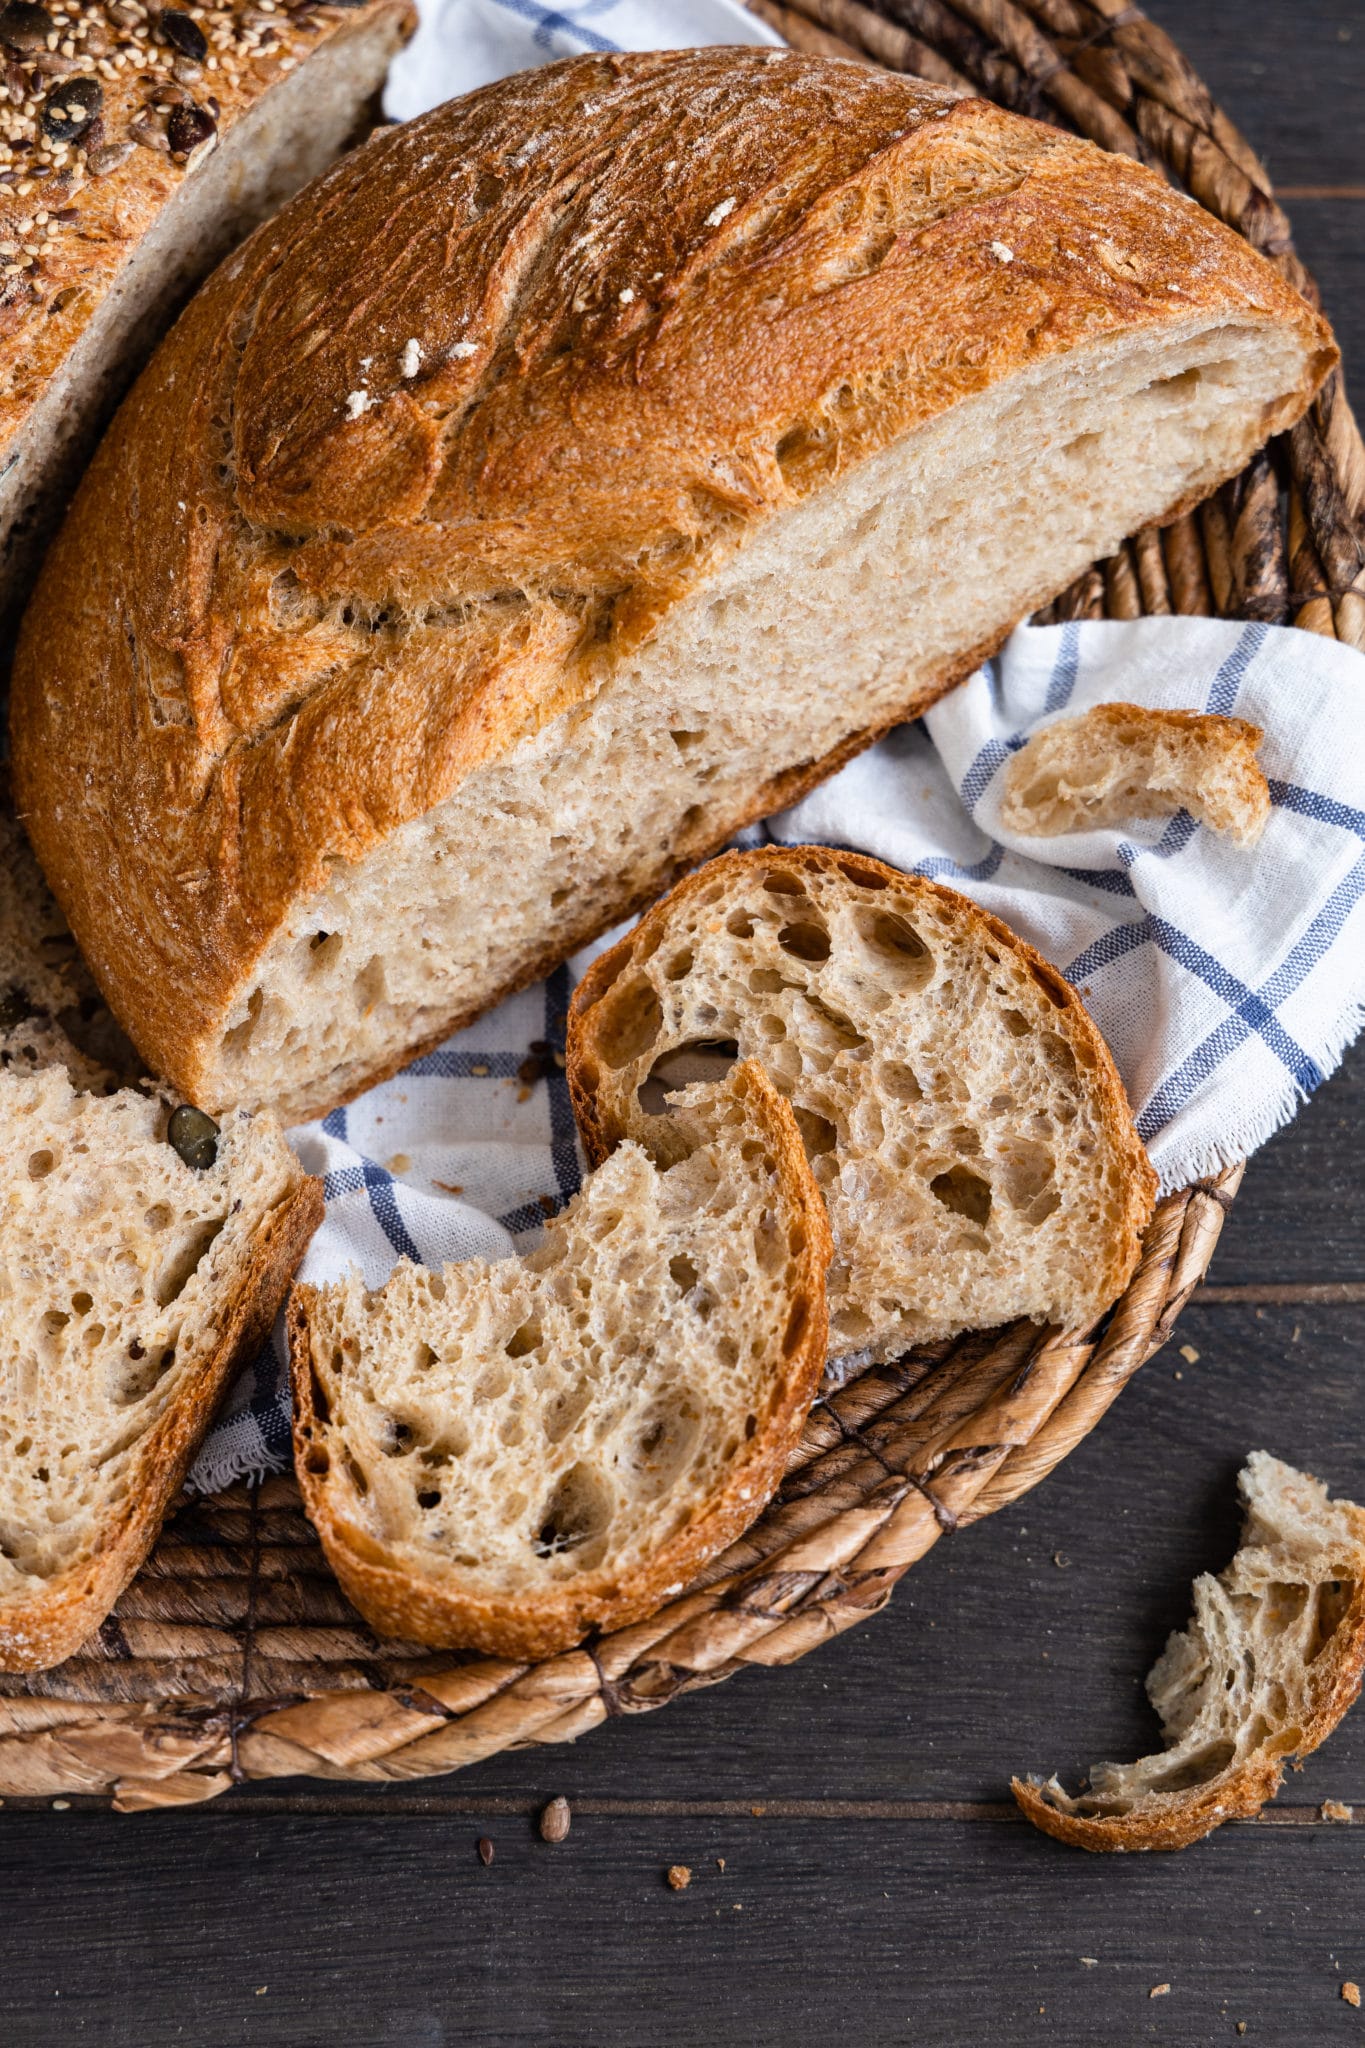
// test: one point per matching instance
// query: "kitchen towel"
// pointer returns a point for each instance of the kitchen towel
(1227, 981)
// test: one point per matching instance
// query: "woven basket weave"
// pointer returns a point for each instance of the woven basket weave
(234, 1654)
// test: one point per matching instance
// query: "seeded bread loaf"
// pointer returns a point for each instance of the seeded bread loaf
(567, 477)
(1117, 762)
(506, 1454)
(1267, 1667)
(961, 1112)
(138, 144)
(134, 1283)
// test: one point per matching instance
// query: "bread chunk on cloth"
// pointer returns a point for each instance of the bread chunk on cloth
(1117, 762)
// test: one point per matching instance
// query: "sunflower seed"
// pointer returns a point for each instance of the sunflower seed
(183, 34)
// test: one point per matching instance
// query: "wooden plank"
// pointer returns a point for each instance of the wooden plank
(310, 1933)
(1290, 73)
(1330, 236)
(1298, 1217)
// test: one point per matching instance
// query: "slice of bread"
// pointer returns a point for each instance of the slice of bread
(1116, 762)
(962, 1114)
(507, 1453)
(1267, 1667)
(134, 1285)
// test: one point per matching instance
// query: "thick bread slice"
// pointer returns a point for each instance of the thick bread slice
(134, 165)
(1116, 762)
(508, 1454)
(133, 1289)
(548, 465)
(962, 1113)
(1267, 1667)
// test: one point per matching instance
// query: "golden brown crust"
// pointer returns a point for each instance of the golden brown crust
(397, 1602)
(1334, 1684)
(36, 1634)
(1093, 1056)
(447, 460)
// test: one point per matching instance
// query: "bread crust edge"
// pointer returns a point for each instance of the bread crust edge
(600, 1135)
(35, 1635)
(1205, 1807)
(398, 1602)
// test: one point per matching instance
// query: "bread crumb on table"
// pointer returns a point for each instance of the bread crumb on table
(1351, 1992)
(679, 1877)
(1334, 1809)
(1159, 1991)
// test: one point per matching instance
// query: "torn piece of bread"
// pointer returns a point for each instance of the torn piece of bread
(962, 1114)
(505, 1454)
(1270, 1662)
(514, 517)
(134, 1285)
(1117, 762)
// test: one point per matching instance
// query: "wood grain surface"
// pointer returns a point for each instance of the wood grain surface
(876, 1886)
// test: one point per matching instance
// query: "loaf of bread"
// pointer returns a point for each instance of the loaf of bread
(143, 1258)
(138, 144)
(1117, 762)
(961, 1112)
(565, 478)
(508, 1453)
(1267, 1667)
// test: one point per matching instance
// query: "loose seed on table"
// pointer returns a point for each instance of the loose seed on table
(554, 1821)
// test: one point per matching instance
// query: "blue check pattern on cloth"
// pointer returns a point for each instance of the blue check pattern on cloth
(1227, 982)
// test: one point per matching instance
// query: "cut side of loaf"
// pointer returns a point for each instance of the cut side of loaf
(168, 166)
(505, 1454)
(962, 1114)
(581, 471)
(1270, 1662)
(134, 1289)
(1117, 762)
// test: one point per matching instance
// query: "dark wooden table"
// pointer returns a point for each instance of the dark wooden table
(876, 1885)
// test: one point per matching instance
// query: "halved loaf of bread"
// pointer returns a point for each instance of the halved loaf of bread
(1117, 762)
(1267, 1667)
(134, 1287)
(137, 154)
(505, 1454)
(566, 478)
(961, 1112)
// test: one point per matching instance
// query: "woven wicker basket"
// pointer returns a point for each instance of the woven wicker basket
(234, 1655)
